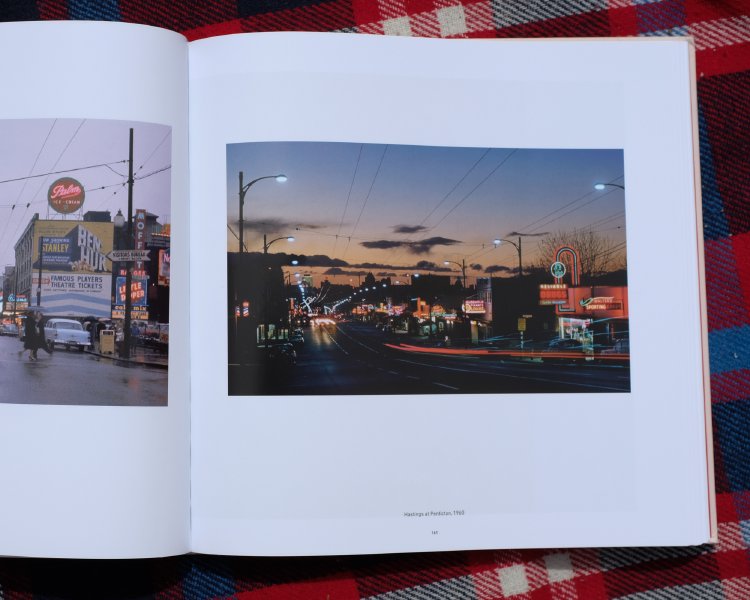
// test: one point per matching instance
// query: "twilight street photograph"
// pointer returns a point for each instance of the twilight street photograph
(371, 269)
(85, 244)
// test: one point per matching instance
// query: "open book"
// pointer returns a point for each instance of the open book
(412, 294)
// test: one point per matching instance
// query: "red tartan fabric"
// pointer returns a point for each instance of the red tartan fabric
(722, 33)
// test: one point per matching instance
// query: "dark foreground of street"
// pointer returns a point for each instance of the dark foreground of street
(353, 358)
(76, 378)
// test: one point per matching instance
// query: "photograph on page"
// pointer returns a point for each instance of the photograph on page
(85, 243)
(393, 269)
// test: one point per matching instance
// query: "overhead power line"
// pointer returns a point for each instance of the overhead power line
(475, 188)
(62, 172)
(348, 197)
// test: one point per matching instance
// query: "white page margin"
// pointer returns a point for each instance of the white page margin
(85, 481)
(600, 94)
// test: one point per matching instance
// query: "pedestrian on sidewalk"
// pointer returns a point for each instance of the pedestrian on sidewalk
(30, 336)
(41, 340)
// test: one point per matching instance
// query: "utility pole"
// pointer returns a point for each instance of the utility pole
(15, 292)
(39, 282)
(129, 243)
(520, 265)
(242, 217)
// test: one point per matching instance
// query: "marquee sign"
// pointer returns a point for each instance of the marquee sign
(601, 303)
(66, 195)
(472, 307)
(553, 293)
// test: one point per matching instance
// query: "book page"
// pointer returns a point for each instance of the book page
(94, 407)
(434, 309)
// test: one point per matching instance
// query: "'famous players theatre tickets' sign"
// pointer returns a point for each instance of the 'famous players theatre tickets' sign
(76, 273)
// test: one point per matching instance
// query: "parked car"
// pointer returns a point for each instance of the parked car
(281, 355)
(66, 332)
(9, 329)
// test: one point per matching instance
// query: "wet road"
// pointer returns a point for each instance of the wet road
(76, 378)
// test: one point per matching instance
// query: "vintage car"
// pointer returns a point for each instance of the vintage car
(9, 329)
(66, 332)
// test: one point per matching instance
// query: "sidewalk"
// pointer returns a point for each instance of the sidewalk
(138, 356)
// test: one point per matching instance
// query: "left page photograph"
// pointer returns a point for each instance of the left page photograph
(95, 426)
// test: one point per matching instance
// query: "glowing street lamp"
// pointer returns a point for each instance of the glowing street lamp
(461, 265)
(243, 190)
(283, 237)
(600, 186)
(498, 241)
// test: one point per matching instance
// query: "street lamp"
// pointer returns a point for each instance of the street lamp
(266, 245)
(498, 241)
(243, 190)
(600, 186)
(461, 265)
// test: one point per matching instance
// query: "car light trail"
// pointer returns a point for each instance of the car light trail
(513, 353)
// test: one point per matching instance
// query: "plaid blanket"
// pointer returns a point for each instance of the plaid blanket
(722, 34)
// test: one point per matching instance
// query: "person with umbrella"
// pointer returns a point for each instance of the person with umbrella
(31, 337)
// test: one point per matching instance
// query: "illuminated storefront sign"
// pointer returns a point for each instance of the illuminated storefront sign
(164, 260)
(558, 270)
(140, 234)
(601, 303)
(571, 327)
(138, 313)
(472, 307)
(138, 298)
(66, 195)
(18, 303)
(138, 287)
(553, 293)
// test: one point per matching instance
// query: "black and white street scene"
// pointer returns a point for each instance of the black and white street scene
(85, 243)
(390, 269)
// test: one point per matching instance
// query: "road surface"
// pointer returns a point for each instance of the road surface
(353, 358)
(78, 378)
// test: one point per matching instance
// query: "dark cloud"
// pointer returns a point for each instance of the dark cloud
(372, 266)
(426, 265)
(338, 271)
(321, 260)
(276, 225)
(408, 228)
(415, 247)
(516, 234)
(475, 267)
(383, 244)
(499, 269)
(386, 274)
(424, 246)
